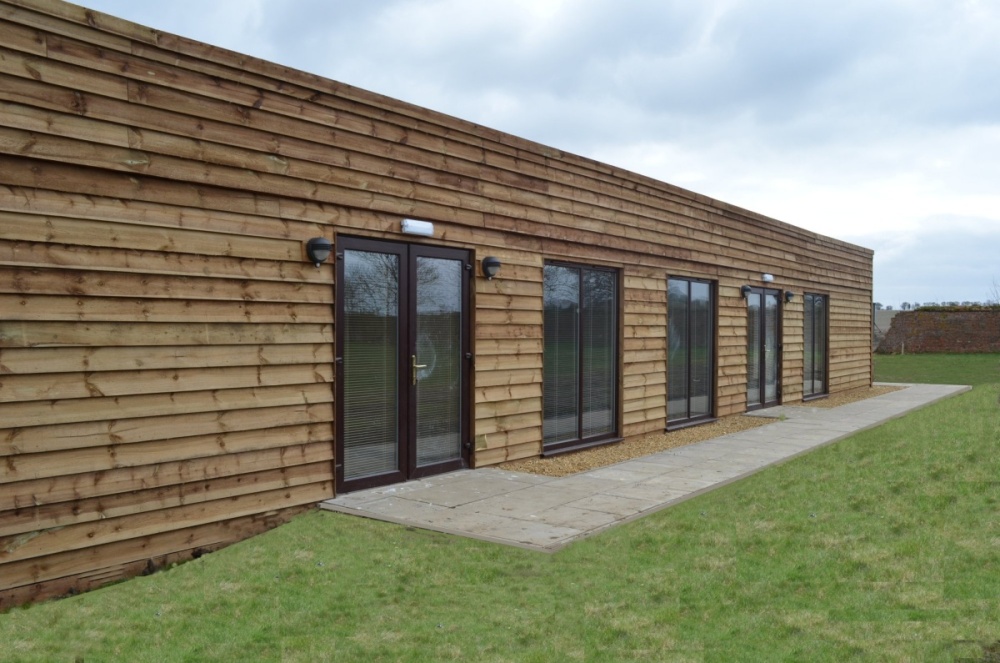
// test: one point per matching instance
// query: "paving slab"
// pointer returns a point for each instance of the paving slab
(547, 513)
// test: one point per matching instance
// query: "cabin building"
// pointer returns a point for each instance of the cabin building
(182, 366)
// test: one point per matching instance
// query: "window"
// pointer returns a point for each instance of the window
(580, 364)
(691, 350)
(815, 323)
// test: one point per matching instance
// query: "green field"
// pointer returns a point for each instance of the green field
(883, 547)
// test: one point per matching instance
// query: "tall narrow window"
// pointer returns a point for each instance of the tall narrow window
(691, 350)
(580, 365)
(815, 323)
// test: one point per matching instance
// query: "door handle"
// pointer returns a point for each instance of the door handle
(415, 365)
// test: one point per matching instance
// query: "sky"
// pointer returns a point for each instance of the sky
(873, 121)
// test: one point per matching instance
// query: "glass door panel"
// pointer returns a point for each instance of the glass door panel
(561, 357)
(754, 355)
(678, 379)
(770, 347)
(814, 333)
(370, 354)
(599, 335)
(702, 345)
(437, 362)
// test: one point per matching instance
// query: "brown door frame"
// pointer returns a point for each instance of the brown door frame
(405, 389)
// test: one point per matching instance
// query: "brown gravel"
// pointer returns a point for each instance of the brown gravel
(845, 397)
(581, 461)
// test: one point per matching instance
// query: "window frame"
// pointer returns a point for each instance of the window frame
(614, 435)
(674, 424)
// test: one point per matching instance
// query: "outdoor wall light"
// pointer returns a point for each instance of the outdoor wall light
(789, 296)
(767, 278)
(490, 267)
(318, 250)
(745, 290)
(415, 227)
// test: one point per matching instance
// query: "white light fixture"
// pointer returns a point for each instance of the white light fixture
(767, 278)
(414, 227)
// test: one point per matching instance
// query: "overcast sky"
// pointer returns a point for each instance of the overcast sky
(873, 121)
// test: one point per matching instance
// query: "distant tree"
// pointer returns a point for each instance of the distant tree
(878, 306)
(929, 304)
(905, 306)
(968, 303)
(993, 296)
(889, 307)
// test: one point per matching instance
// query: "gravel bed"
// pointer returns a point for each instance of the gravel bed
(588, 459)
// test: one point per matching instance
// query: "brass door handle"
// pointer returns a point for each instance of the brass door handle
(415, 365)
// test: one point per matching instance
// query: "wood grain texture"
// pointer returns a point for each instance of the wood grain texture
(167, 352)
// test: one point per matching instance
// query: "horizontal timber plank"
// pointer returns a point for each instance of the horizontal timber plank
(43, 517)
(81, 283)
(204, 464)
(22, 388)
(109, 530)
(20, 334)
(29, 227)
(509, 438)
(75, 561)
(489, 347)
(486, 363)
(110, 309)
(507, 392)
(488, 457)
(21, 415)
(151, 263)
(27, 361)
(494, 423)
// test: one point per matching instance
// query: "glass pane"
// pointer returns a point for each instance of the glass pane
(770, 348)
(677, 344)
(439, 351)
(819, 369)
(560, 365)
(753, 348)
(809, 341)
(599, 332)
(371, 350)
(701, 350)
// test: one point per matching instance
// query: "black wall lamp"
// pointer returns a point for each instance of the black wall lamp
(789, 296)
(318, 250)
(745, 290)
(490, 267)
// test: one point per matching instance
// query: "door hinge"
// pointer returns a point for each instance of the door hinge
(338, 360)
(340, 255)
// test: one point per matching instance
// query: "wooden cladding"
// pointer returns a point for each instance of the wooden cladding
(167, 379)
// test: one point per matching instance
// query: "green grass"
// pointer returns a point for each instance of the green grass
(939, 368)
(883, 547)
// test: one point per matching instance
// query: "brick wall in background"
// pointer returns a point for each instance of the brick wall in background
(943, 331)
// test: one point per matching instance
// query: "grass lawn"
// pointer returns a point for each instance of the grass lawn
(883, 547)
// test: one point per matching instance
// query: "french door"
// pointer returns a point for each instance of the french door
(690, 350)
(403, 360)
(763, 348)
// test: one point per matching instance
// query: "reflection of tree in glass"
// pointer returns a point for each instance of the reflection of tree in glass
(371, 283)
(562, 287)
(440, 285)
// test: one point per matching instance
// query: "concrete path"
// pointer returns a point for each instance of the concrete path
(546, 513)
